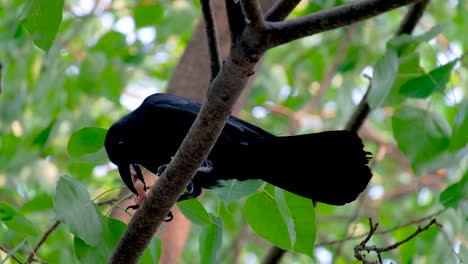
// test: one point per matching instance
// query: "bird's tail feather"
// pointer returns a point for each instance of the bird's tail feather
(328, 167)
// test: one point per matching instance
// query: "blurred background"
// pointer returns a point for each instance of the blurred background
(109, 55)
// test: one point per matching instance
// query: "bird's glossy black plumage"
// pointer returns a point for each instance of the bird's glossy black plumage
(328, 167)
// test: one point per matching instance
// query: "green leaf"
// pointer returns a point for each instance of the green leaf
(42, 18)
(453, 194)
(406, 44)
(263, 215)
(459, 137)
(43, 136)
(148, 15)
(420, 135)
(194, 210)
(113, 39)
(86, 140)
(425, 85)
(110, 237)
(302, 212)
(385, 72)
(284, 210)
(100, 253)
(38, 203)
(234, 190)
(408, 69)
(292, 218)
(210, 240)
(74, 207)
(16, 221)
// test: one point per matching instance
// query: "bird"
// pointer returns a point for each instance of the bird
(329, 167)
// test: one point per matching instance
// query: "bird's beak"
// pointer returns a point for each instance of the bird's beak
(127, 177)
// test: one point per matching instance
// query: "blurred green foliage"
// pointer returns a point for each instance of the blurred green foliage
(67, 74)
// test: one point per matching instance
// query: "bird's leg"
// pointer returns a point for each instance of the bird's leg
(192, 190)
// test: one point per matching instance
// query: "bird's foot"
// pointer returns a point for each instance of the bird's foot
(193, 191)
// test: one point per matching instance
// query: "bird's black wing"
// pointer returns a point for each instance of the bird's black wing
(235, 128)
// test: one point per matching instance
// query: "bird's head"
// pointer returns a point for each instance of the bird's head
(123, 152)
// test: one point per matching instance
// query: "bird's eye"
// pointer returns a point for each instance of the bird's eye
(121, 143)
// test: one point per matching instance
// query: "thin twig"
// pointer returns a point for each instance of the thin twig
(42, 240)
(410, 223)
(362, 246)
(54, 226)
(2, 248)
(293, 29)
(212, 39)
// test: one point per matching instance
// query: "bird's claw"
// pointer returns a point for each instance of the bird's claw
(206, 167)
(169, 217)
(161, 169)
(134, 207)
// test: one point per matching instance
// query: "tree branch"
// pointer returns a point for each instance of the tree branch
(281, 10)
(407, 25)
(2, 248)
(412, 17)
(212, 39)
(252, 13)
(362, 246)
(293, 29)
(42, 240)
(223, 93)
(235, 19)
(224, 90)
(413, 222)
(274, 255)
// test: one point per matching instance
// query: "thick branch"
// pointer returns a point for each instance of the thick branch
(223, 93)
(281, 10)
(236, 20)
(252, 13)
(293, 29)
(212, 38)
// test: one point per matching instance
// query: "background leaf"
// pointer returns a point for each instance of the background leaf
(194, 210)
(74, 207)
(385, 71)
(86, 140)
(431, 130)
(211, 239)
(234, 190)
(16, 221)
(41, 18)
(459, 137)
(425, 85)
